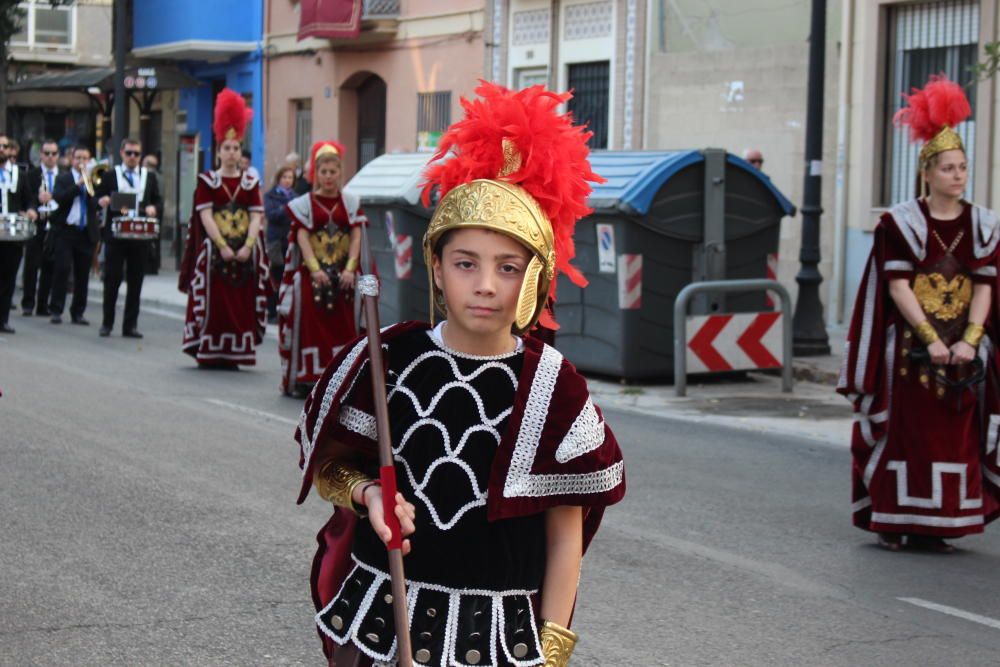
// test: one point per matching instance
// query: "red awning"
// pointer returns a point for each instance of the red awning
(332, 19)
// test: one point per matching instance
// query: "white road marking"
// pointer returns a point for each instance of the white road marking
(251, 411)
(954, 611)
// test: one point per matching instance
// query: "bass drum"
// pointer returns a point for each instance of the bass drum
(14, 228)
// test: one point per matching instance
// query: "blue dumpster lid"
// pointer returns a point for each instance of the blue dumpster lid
(634, 177)
(393, 178)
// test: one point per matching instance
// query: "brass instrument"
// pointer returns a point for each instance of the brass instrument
(93, 176)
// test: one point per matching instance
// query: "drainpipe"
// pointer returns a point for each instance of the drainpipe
(835, 306)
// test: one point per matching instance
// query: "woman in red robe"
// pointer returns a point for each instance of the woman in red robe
(224, 271)
(316, 311)
(920, 363)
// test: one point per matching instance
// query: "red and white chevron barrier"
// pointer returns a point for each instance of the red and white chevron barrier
(772, 274)
(630, 282)
(404, 256)
(743, 341)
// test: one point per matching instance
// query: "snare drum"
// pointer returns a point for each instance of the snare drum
(135, 228)
(15, 227)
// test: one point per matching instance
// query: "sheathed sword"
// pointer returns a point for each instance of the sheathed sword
(368, 288)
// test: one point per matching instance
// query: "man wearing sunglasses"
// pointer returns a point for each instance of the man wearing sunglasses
(37, 276)
(126, 257)
(14, 199)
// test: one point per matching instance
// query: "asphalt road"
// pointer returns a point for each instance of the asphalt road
(147, 517)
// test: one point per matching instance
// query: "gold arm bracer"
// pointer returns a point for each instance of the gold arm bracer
(926, 333)
(973, 334)
(336, 482)
(557, 644)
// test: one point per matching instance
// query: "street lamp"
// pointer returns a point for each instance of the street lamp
(808, 328)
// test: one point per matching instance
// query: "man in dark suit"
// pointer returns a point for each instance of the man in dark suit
(127, 256)
(76, 229)
(37, 276)
(14, 199)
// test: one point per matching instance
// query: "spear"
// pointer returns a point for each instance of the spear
(368, 287)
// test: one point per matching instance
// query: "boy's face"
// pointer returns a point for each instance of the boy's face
(480, 273)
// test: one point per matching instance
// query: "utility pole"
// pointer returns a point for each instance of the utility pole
(809, 330)
(121, 97)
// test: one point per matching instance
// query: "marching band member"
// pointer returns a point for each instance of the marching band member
(38, 251)
(75, 228)
(504, 465)
(316, 315)
(15, 198)
(126, 255)
(224, 270)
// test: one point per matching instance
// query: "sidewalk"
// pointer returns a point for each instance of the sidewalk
(754, 401)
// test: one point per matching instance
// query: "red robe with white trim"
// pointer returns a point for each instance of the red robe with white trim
(925, 455)
(313, 325)
(556, 450)
(227, 301)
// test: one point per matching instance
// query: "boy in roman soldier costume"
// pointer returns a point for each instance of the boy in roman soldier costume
(505, 466)
(316, 314)
(920, 362)
(224, 270)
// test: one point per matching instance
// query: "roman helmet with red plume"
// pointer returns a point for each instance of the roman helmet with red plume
(323, 148)
(932, 114)
(518, 167)
(231, 116)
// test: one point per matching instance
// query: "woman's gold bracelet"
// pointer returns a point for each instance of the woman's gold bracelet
(336, 482)
(926, 333)
(352, 265)
(220, 242)
(973, 334)
(312, 264)
(251, 241)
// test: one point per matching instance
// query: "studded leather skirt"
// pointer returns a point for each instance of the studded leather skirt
(447, 626)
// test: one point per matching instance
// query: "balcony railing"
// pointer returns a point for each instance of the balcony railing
(380, 8)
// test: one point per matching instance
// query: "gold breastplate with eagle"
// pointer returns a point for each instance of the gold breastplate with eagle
(330, 244)
(944, 292)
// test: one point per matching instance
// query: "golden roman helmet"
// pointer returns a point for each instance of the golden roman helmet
(506, 208)
(945, 140)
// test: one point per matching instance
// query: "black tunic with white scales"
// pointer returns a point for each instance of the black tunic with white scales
(469, 580)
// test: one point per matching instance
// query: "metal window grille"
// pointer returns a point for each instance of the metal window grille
(372, 8)
(303, 128)
(433, 111)
(531, 76)
(590, 83)
(925, 39)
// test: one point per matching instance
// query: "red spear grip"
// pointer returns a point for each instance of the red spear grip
(387, 476)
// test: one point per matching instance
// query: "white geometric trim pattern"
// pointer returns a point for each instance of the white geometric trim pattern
(923, 520)
(992, 433)
(520, 481)
(898, 265)
(585, 435)
(938, 470)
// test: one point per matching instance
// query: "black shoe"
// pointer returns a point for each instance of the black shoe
(56, 319)
(81, 320)
(42, 312)
(104, 332)
(131, 333)
(6, 328)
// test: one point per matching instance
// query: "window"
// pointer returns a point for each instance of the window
(45, 26)
(590, 83)
(925, 39)
(433, 118)
(303, 127)
(531, 76)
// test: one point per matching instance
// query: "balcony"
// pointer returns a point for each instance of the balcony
(378, 9)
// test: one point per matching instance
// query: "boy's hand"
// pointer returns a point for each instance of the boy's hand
(405, 512)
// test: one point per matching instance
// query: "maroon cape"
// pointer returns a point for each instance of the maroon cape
(557, 450)
(923, 462)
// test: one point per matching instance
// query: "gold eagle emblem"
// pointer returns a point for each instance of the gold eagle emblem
(941, 298)
(233, 225)
(330, 249)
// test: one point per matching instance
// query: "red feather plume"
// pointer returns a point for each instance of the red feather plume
(554, 166)
(940, 103)
(231, 112)
(312, 156)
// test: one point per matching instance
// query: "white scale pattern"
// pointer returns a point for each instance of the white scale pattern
(425, 417)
